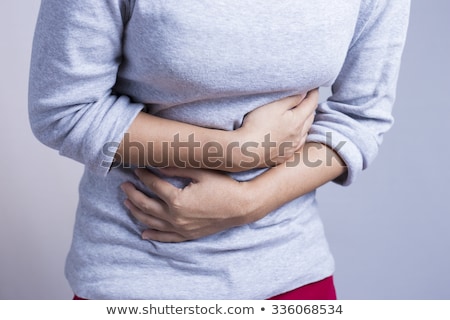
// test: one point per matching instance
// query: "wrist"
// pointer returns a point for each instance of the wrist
(253, 203)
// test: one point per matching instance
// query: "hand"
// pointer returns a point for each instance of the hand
(211, 203)
(276, 130)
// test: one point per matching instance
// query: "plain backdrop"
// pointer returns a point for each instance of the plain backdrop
(390, 231)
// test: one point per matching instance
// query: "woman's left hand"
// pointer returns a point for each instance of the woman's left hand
(211, 203)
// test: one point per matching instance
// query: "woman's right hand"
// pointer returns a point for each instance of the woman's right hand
(270, 134)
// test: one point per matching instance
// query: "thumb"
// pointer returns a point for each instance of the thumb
(309, 104)
(286, 103)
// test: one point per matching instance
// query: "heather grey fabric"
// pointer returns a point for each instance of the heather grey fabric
(96, 64)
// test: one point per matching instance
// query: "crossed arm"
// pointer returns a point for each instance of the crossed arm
(213, 201)
(70, 93)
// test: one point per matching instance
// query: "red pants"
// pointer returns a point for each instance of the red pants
(320, 290)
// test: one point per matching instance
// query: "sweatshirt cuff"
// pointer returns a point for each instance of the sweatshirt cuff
(347, 150)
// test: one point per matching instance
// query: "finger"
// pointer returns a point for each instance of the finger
(311, 99)
(314, 91)
(145, 203)
(291, 102)
(163, 189)
(308, 123)
(309, 104)
(160, 236)
(286, 103)
(147, 219)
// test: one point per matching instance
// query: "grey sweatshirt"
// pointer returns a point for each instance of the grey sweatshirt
(97, 64)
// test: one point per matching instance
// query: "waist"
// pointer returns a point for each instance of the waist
(107, 251)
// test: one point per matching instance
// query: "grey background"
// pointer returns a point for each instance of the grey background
(390, 231)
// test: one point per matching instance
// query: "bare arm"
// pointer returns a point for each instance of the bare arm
(358, 114)
(75, 108)
(158, 142)
(311, 167)
(196, 211)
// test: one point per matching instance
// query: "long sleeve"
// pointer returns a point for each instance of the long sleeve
(76, 53)
(359, 111)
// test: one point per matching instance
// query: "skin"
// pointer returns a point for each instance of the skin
(196, 211)
(286, 120)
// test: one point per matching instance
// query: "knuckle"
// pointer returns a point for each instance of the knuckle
(175, 203)
(177, 221)
(153, 184)
(143, 204)
(180, 223)
(296, 144)
(174, 197)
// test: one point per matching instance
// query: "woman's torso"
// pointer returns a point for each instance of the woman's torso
(209, 63)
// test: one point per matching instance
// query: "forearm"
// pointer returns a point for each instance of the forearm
(159, 142)
(269, 135)
(312, 166)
